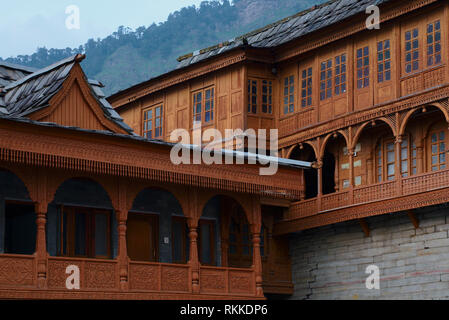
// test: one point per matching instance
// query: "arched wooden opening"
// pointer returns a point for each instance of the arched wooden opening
(375, 153)
(81, 221)
(156, 228)
(224, 235)
(305, 152)
(335, 170)
(17, 216)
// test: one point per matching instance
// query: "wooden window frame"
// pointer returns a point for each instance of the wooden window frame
(382, 154)
(148, 132)
(412, 54)
(363, 67)
(341, 74)
(260, 96)
(68, 213)
(437, 30)
(384, 61)
(306, 87)
(334, 76)
(440, 165)
(288, 94)
(201, 115)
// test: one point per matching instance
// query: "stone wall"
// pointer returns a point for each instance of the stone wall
(330, 262)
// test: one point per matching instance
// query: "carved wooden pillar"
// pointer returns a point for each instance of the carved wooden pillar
(257, 259)
(369, 171)
(351, 174)
(122, 217)
(420, 159)
(397, 173)
(319, 167)
(193, 259)
(41, 244)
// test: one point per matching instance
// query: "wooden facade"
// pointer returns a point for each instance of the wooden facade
(370, 108)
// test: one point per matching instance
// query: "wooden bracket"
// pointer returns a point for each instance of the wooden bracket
(364, 226)
(413, 218)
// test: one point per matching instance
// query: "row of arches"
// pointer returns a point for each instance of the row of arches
(82, 222)
(376, 151)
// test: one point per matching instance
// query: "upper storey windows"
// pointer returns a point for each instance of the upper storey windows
(333, 77)
(203, 106)
(289, 94)
(363, 67)
(152, 122)
(412, 56)
(306, 87)
(383, 61)
(433, 43)
(260, 96)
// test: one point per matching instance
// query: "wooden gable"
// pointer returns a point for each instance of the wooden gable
(75, 105)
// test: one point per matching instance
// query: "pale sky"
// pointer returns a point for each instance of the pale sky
(28, 24)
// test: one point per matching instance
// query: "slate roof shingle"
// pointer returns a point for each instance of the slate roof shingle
(31, 90)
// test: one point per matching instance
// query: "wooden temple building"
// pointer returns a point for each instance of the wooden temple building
(87, 180)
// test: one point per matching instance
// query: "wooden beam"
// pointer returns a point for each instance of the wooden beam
(364, 226)
(413, 218)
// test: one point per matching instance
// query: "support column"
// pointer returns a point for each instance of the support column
(397, 173)
(122, 217)
(193, 259)
(351, 175)
(420, 159)
(319, 167)
(41, 246)
(257, 259)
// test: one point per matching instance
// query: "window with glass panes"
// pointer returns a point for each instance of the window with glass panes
(203, 106)
(385, 162)
(267, 96)
(152, 122)
(363, 67)
(252, 96)
(433, 43)
(289, 94)
(383, 61)
(438, 150)
(326, 80)
(340, 74)
(411, 50)
(306, 87)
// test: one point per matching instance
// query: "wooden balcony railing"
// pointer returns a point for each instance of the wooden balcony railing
(101, 278)
(364, 194)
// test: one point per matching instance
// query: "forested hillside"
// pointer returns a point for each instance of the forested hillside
(130, 56)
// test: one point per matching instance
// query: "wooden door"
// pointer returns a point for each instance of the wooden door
(142, 235)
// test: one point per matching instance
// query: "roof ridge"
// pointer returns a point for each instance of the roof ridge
(39, 72)
(257, 31)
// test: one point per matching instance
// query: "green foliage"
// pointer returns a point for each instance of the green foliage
(128, 56)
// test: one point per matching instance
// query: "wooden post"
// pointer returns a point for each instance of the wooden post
(257, 259)
(319, 166)
(351, 175)
(193, 259)
(41, 246)
(398, 174)
(122, 217)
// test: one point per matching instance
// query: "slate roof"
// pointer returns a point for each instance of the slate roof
(32, 91)
(288, 29)
(11, 72)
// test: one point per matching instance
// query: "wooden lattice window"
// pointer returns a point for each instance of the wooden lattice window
(434, 43)
(306, 88)
(386, 161)
(438, 150)
(152, 122)
(413, 156)
(289, 94)
(252, 96)
(203, 106)
(326, 80)
(340, 74)
(411, 50)
(383, 61)
(363, 67)
(267, 96)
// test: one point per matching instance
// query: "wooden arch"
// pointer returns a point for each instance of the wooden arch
(408, 115)
(363, 126)
(326, 139)
(293, 147)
